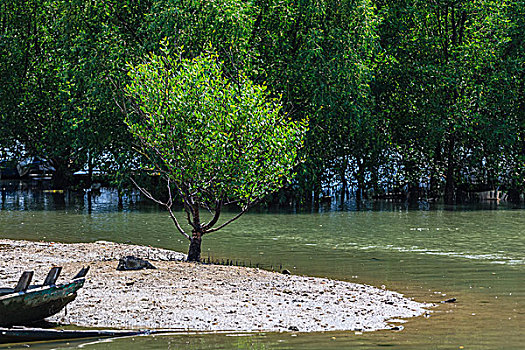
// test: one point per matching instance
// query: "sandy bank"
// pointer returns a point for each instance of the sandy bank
(200, 297)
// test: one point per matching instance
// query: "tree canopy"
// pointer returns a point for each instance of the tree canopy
(217, 140)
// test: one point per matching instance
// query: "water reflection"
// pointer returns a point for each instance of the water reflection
(17, 195)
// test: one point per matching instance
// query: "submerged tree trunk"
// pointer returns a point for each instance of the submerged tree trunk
(120, 201)
(194, 253)
(344, 181)
(375, 179)
(433, 190)
(413, 192)
(89, 181)
(450, 184)
(344, 188)
(62, 176)
(317, 191)
(360, 180)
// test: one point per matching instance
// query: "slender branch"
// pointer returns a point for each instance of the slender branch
(121, 105)
(205, 205)
(244, 210)
(215, 218)
(188, 215)
(462, 26)
(177, 224)
(170, 200)
(171, 213)
(167, 205)
(147, 194)
(187, 208)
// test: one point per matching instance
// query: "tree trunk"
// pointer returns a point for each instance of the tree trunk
(433, 191)
(450, 184)
(360, 180)
(375, 179)
(317, 191)
(62, 176)
(413, 192)
(59, 200)
(90, 171)
(344, 188)
(344, 181)
(60, 180)
(4, 196)
(194, 253)
(90, 202)
(120, 202)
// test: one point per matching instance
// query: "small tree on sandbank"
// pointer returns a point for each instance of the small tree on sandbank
(214, 141)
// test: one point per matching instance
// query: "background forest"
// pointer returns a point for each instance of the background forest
(421, 98)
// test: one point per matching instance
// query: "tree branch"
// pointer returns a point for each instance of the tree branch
(187, 209)
(244, 210)
(177, 224)
(215, 218)
(147, 194)
(166, 205)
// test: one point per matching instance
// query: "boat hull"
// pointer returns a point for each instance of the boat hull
(36, 304)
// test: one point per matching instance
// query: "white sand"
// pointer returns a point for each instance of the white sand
(180, 295)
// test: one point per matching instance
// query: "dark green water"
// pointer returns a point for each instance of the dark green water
(475, 254)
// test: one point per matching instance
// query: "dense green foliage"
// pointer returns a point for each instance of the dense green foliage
(218, 141)
(454, 102)
(57, 61)
(423, 98)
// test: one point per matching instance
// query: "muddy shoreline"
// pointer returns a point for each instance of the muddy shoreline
(198, 297)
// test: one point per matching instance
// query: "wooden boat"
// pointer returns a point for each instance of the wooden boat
(26, 304)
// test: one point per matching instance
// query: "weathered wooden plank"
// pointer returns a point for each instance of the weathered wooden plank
(52, 276)
(24, 281)
(82, 273)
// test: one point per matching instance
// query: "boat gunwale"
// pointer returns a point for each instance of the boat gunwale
(77, 282)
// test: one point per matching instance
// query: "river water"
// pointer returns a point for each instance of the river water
(475, 254)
